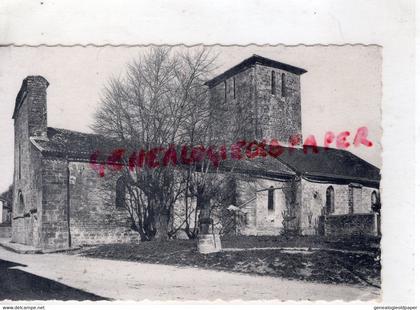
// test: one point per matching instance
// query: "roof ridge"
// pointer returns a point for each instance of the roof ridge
(75, 131)
(247, 62)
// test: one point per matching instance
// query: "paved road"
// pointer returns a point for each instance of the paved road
(139, 281)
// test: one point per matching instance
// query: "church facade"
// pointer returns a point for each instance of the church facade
(328, 192)
(58, 200)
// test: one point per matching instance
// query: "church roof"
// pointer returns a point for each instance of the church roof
(254, 59)
(78, 145)
(327, 165)
(331, 164)
(73, 143)
(263, 167)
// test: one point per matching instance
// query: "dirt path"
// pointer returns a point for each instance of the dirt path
(139, 281)
(19, 285)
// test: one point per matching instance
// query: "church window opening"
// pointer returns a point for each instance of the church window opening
(271, 198)
(283, 85)
(375, 202)
(225, 90)
(120, 193)
(273, 82)
(330, 200)
(21, 204)
(234, 88)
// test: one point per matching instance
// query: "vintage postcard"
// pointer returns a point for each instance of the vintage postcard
(192, 173)
(252, 152)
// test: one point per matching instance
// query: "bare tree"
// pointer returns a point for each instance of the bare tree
(150, 108)
(211, 181)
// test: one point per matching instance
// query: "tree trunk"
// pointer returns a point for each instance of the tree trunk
(161, 225)
(204, 217)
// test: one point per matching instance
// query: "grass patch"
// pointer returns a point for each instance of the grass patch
(313, 266)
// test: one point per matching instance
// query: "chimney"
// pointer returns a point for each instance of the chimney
(32, 99)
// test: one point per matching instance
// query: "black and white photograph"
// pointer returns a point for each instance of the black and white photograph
(188, 153)
(173, 166)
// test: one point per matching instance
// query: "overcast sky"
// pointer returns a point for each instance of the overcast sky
(341, 90)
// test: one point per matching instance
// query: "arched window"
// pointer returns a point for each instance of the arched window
(21, 204)
(375, 202)
(225, 86)
(120, 193)
(330, 200)
(283, 85)
(271, 198)
(273, 82)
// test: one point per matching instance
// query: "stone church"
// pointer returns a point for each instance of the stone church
(57, 200)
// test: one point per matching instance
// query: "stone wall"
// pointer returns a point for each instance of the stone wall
(314, 201)
(252, 111)
(254, 218)
(234, 113)
(29, 120)
(79, 208)
(55, 229)
(259, 220)
(352, 224)
(47, 188)
(21, 178)
(366, 203)
(94, 217)
(37, 105)
(35, 210)
(279, 114)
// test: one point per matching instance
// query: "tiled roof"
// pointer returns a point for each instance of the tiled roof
(264, 167)
(330, 163)
(254, 59)
(327, 164)
(68, 142)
